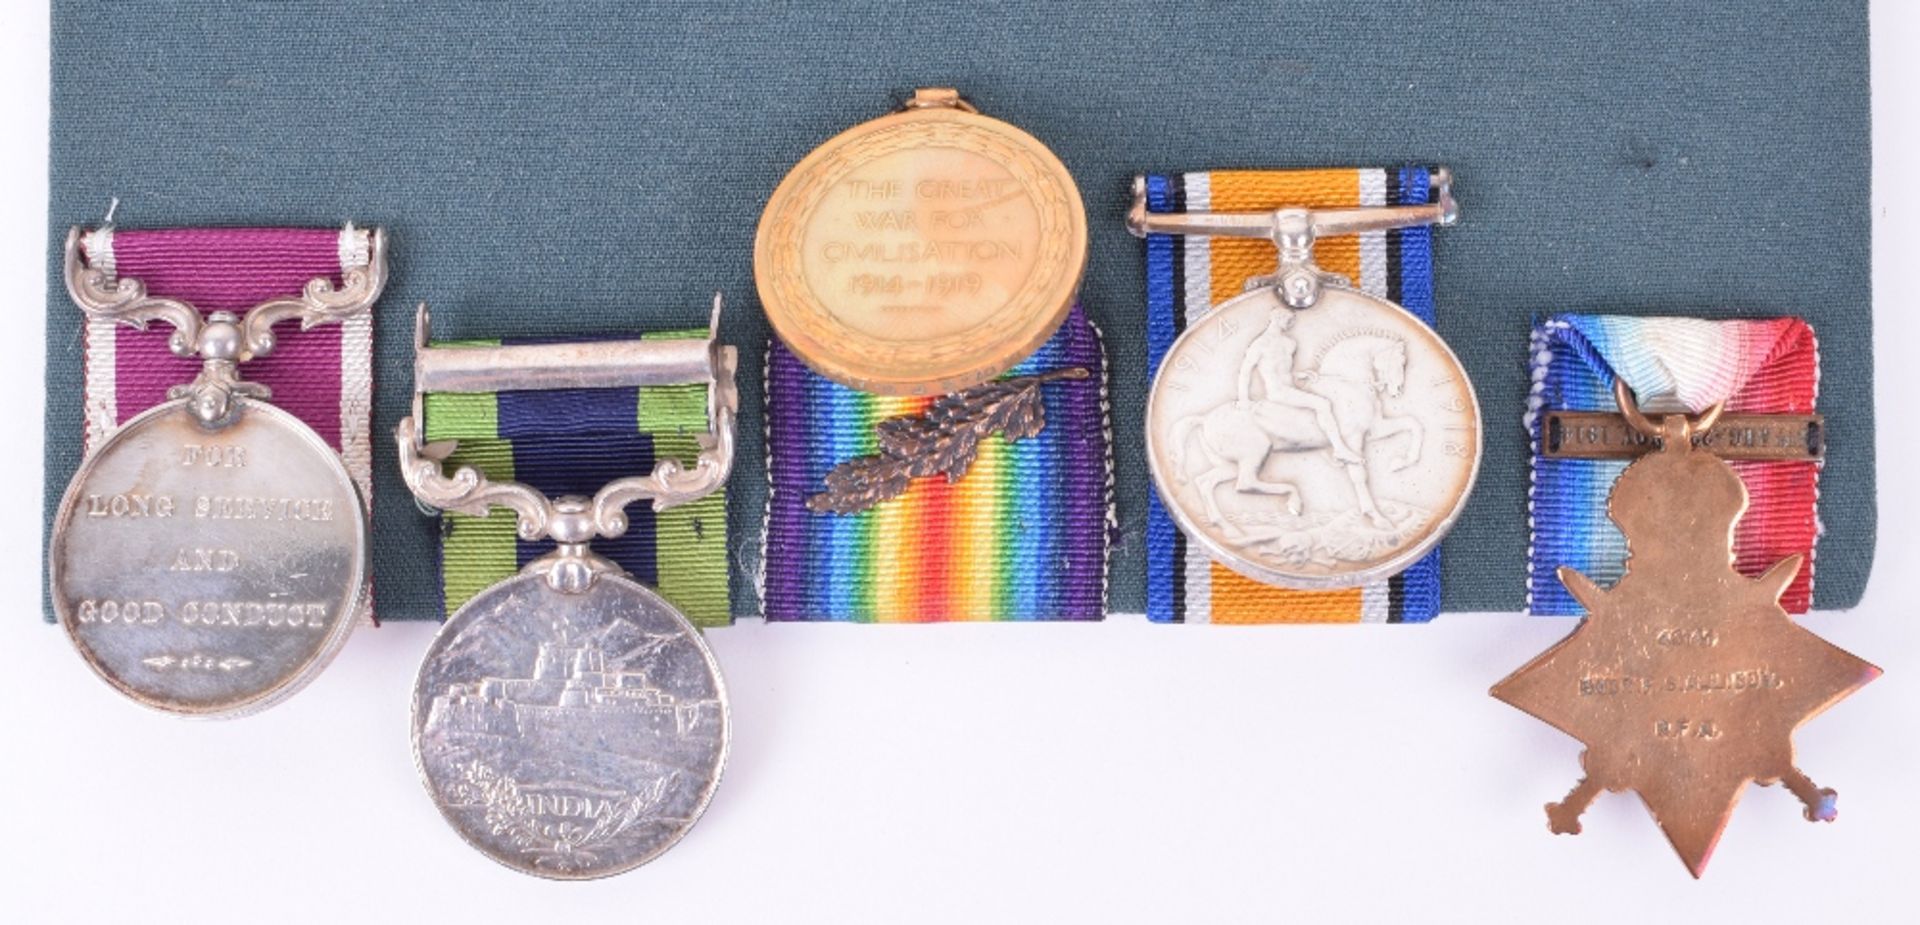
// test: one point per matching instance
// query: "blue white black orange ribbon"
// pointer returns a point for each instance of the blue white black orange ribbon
(1186, 277)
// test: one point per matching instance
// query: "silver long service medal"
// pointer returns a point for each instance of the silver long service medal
(1305, 433)
(568, 721)
(209, 557)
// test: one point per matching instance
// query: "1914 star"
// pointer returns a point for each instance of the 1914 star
(1686, 679)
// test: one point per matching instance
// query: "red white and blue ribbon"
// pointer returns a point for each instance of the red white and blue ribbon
(1765, 366)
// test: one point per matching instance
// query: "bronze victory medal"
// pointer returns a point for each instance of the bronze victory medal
(923, 252)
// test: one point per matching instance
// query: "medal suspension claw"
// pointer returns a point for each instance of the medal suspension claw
(571, 567)
(213, 390)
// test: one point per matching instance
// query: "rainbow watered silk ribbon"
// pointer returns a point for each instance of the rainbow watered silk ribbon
(1186, 278)
(323, 376)
(1022, 536)
(573, 442)
(1766, 366)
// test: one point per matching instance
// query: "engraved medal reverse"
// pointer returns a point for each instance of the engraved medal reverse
(922, 252)
(209, 557)
(567, 721)
(1686, 679)
(1304, 433)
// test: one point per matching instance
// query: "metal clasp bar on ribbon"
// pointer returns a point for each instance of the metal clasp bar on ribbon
(571, 521)
(1293, 229)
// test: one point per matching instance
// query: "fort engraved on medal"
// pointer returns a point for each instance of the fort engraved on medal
(209, 572)
(1313, 448)
(570, 735)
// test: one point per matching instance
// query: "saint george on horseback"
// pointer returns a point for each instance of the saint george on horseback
(1270, 359)
(1337, 406)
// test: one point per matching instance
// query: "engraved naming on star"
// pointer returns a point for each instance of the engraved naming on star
(1686, 679)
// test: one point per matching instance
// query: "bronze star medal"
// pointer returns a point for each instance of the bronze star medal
(1686, 679)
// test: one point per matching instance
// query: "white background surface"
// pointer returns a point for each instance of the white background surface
(1116, 772)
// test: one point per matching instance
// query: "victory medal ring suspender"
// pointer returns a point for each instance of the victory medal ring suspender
(567, 720)
(209, 557)
(1307, 434)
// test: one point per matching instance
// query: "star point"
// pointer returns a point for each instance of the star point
(1686, 679)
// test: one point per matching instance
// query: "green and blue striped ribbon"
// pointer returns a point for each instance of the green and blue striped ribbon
(572, 442)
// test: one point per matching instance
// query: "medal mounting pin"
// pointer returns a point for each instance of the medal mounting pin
(221, 340)
(572, 521)
(1293, 230)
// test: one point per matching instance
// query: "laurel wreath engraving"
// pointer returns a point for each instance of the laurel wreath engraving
(561, 846)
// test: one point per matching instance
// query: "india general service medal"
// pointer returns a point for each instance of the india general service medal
(1305, 433)
(209, 557)
(568, 721)
(1686, 679)
(923, 252)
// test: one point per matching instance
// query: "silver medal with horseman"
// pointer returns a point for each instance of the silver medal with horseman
(1313, 448)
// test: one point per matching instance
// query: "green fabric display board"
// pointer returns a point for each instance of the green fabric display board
(560, 169)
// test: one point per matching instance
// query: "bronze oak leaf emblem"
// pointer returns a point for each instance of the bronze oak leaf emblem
(943, 440)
